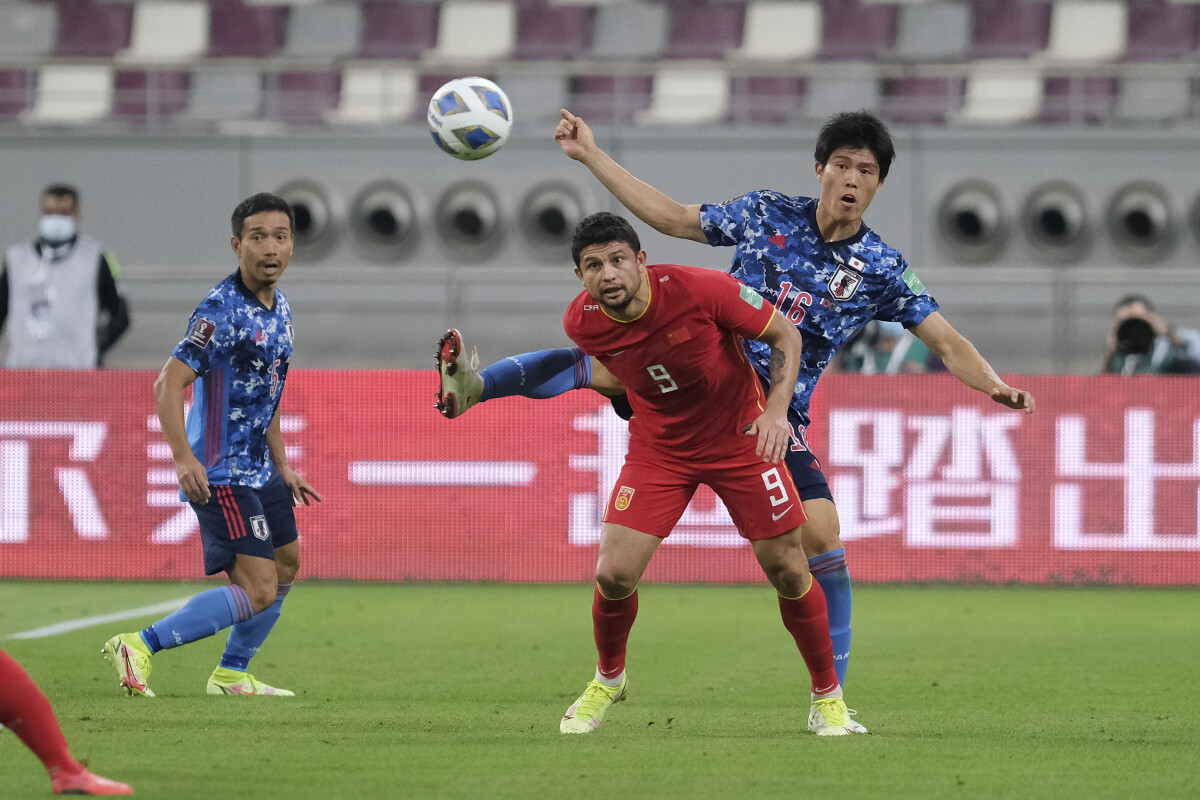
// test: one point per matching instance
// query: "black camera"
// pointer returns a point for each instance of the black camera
(1135, 336)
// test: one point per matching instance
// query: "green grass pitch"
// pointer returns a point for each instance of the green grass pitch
(455, 691)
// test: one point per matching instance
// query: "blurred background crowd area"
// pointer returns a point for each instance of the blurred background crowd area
(1046, 151)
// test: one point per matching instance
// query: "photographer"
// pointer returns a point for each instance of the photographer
(1143, 343)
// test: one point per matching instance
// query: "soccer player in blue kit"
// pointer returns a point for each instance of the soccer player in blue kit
(816, 261)
(230, 458)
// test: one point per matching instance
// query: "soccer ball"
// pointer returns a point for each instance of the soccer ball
(470, 118)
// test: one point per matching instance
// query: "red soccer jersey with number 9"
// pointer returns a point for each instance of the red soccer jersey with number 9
(682, 361)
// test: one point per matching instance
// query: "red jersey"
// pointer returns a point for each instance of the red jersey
(682, 360)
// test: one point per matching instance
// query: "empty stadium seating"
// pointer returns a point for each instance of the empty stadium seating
(728, 62)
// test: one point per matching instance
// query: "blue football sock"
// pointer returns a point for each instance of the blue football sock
(829, 570)
(541, 374)
(203, 615)
(246, 637)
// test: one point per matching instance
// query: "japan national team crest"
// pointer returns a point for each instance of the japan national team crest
(258, 526)
(624, 498)
(844, 283)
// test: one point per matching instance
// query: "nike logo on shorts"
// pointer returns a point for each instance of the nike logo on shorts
(779, 516)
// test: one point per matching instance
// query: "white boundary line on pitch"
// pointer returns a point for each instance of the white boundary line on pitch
(100, 619)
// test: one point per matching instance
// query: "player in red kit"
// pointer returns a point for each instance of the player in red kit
(672, 335)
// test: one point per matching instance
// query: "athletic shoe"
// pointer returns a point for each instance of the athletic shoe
(586, 713)
(228, 681)
(828, 717)
(84, 782)
(460, 383)
(851, 725)
(129, 654)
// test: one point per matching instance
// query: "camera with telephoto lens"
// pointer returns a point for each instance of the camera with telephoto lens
(1135, 336)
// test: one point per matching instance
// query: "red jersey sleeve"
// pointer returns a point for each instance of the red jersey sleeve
(734, 305)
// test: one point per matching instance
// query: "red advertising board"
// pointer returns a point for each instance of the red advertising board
(933, 482)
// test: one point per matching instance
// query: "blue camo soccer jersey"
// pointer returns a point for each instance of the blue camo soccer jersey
(830, 290)
(240, 349)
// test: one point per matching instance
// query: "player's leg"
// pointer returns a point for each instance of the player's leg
(539, 374)
(624, 555)
(246, 637)
(822, 542)
(25, 710)
(802, 607)
(227, 531)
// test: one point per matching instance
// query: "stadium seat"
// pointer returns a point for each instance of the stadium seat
(149, 97)
(237, 30)
(602, 99)
(553, 32)
(1001, 91)
(682, 96)
(1161, 31)
(324, 31)
(938, 31)
(917, 101)
(398, 30)
(90, 30)
(16, 92)
(1087, 30)
(765, 99)
(167, 30)
(223, 94)
(703, 29)
(1153, 100)
(536, 97)
(475, 30)
(853, 30)
(302, 97)
(1077, 101)
(780, 29)
(826, 96)
(1010, 29)
(630, 31)
(376, 94)
(28, 29)
(68, 93)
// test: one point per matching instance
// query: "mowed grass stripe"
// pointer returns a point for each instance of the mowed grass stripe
(455, 691)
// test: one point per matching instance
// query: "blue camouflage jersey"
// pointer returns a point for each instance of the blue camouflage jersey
(240, 349)
(829, 290)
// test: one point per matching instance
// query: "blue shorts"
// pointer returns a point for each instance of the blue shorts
(804, 466)
(239, 519)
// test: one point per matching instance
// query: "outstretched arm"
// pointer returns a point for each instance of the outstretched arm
(300, 488)
(772, 428)
(645, 202)
(966, 364)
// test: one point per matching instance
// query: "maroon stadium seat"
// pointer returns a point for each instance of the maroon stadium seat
(766, 100)
(1078, 100)
(139, 95)
(704, 29)
(559, 33)
(852, 30)
(302, 97)
(16, 92)
(239, 31)
(398, 30)
(607, 99)
(1010, 28)
(917, 101)
(87, 29)
(1160, 30)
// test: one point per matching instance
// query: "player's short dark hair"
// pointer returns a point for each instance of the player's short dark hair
(62, 190)
(855, 129)
(257, 204)
(602, 228)
(1130, 299)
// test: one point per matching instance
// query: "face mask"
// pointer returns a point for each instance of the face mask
(56, 228)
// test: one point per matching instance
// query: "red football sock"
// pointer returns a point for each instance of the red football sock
(807, 620)
(611, 622)
(25, 710)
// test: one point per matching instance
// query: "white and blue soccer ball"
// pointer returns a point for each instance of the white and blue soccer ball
(470, 118)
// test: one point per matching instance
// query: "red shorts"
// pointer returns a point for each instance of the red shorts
(653, 490)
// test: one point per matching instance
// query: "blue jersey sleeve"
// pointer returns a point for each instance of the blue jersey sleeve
(724, 224)
(203, 341)
(906, 300)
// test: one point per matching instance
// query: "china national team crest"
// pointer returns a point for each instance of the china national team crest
(624, 498)
(258, 526)
(844, 283)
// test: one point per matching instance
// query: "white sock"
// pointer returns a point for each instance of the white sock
(834, 692)
(613, 682)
